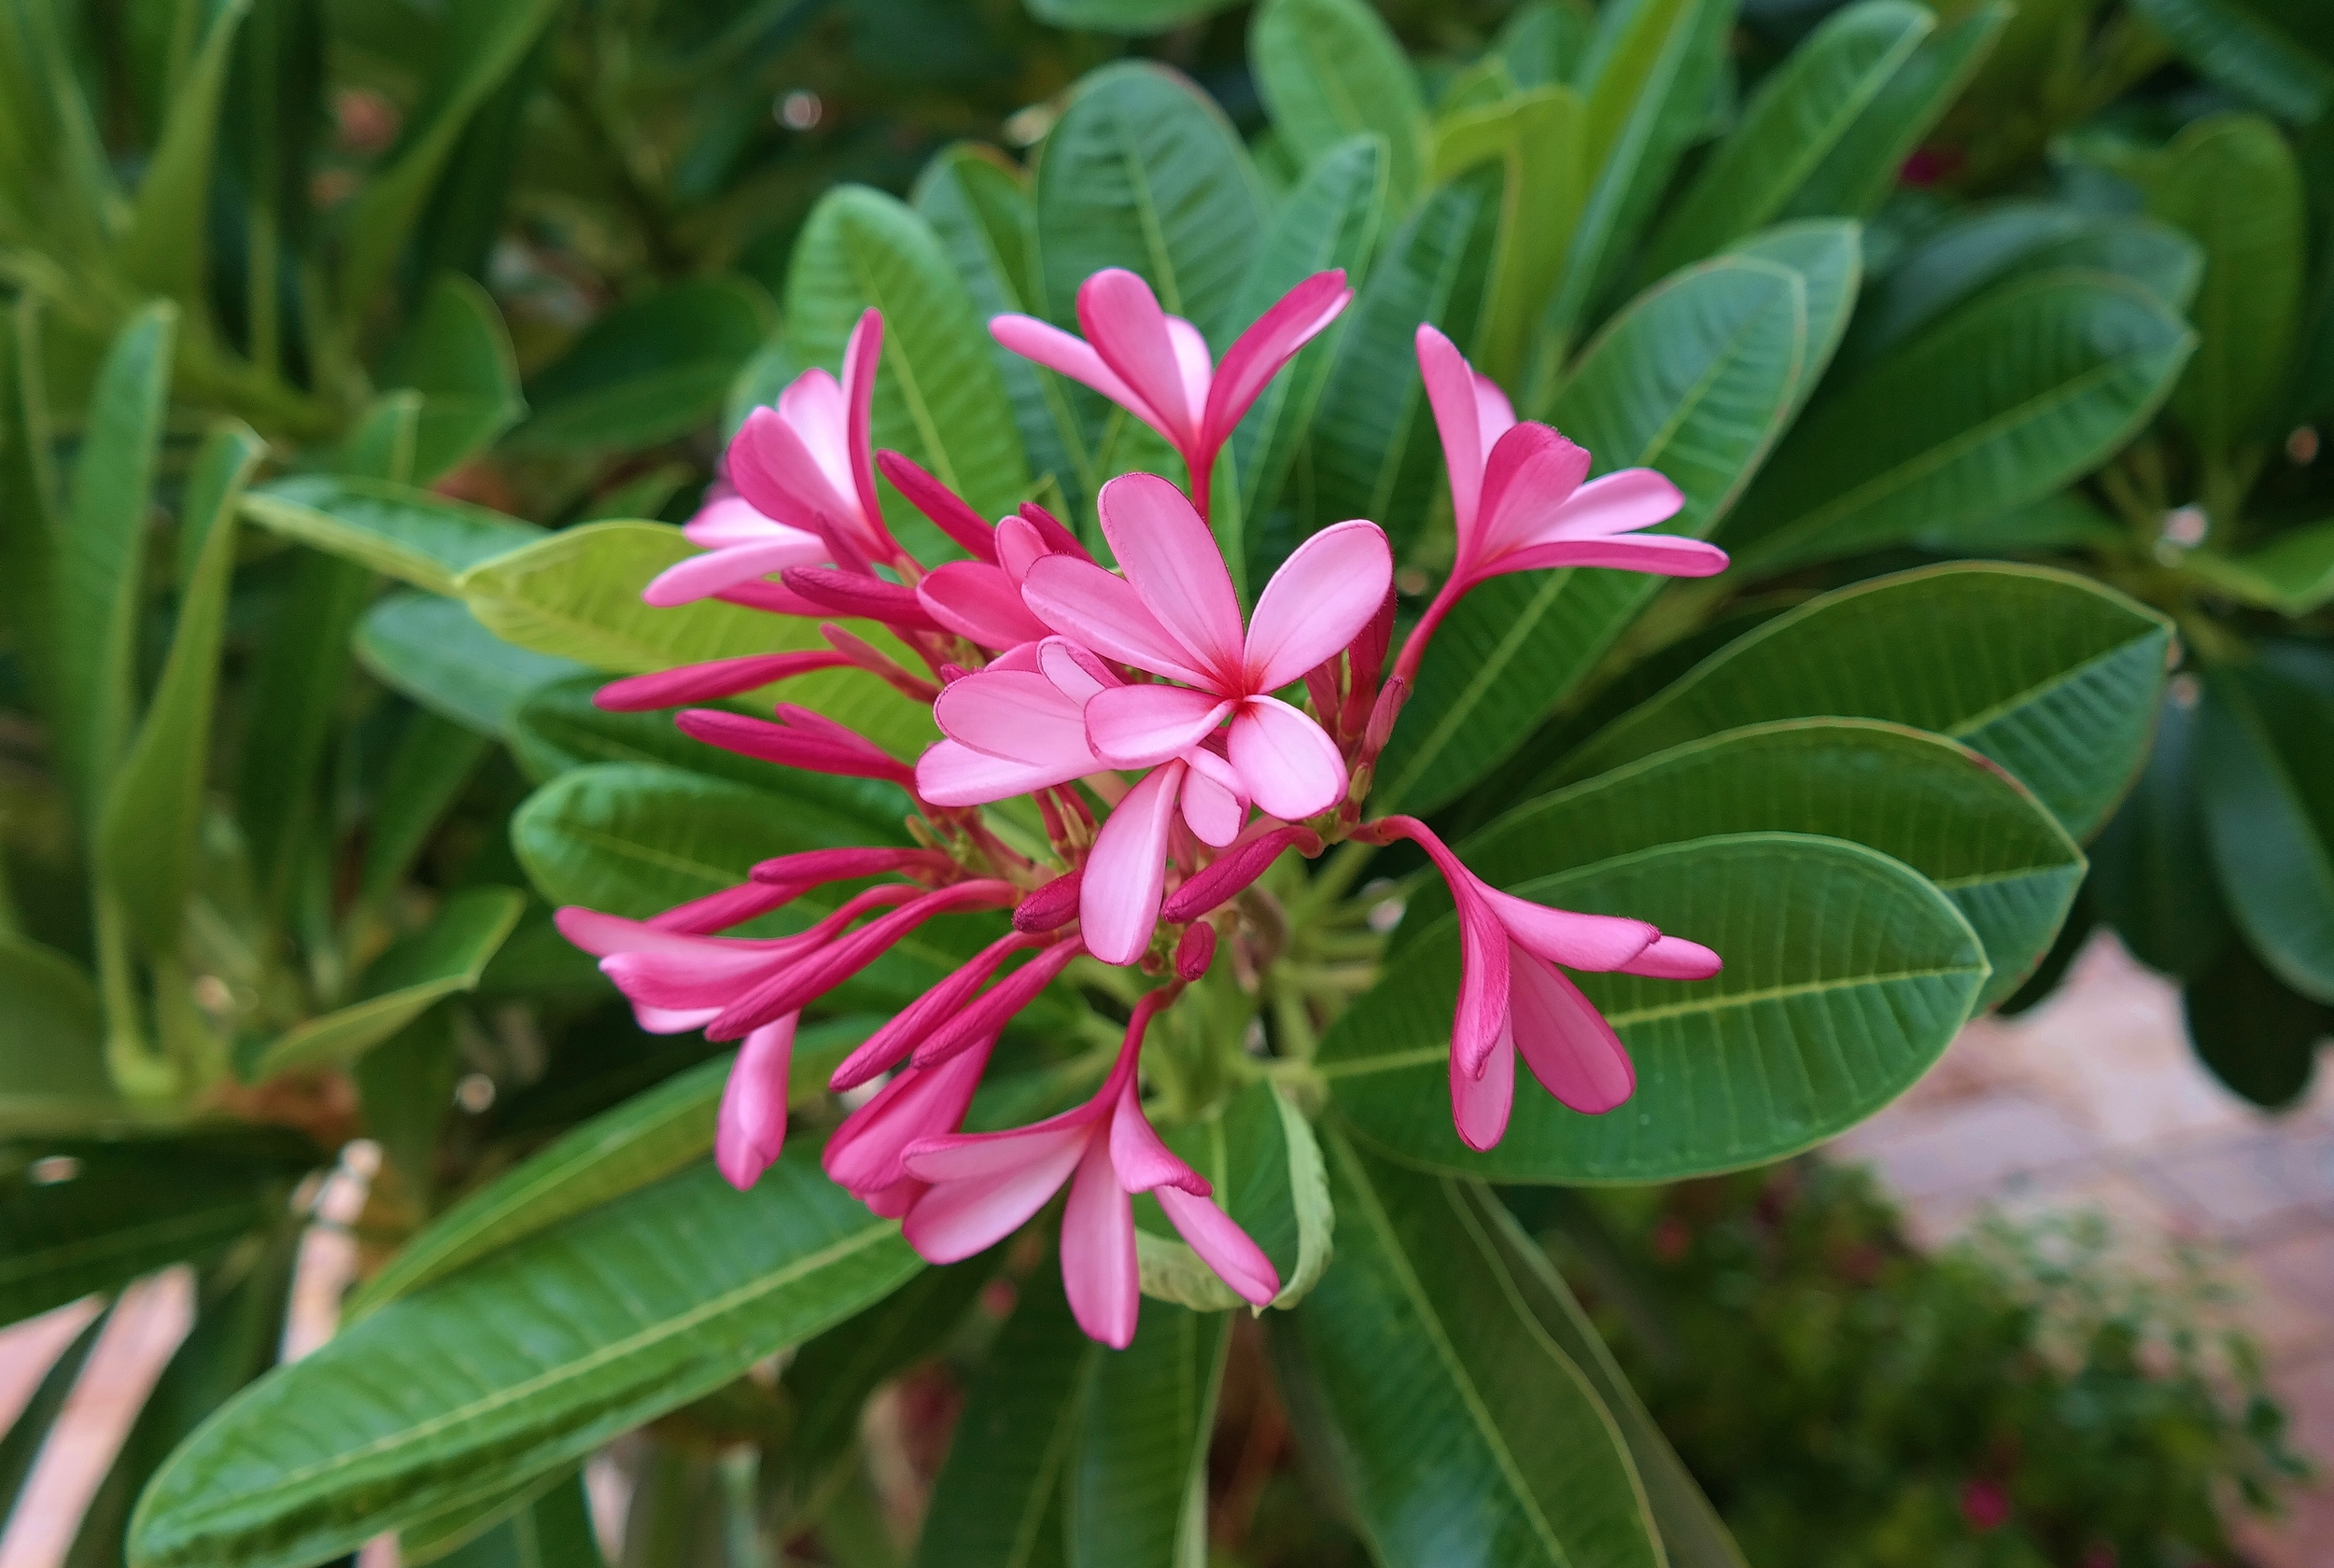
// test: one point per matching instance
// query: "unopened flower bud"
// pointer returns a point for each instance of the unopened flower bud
(1195, 952)
(1054, 904)
(1390, 699)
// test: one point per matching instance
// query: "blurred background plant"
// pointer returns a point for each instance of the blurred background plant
(301, 295)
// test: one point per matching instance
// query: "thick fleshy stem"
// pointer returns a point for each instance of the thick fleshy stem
(1226, 878)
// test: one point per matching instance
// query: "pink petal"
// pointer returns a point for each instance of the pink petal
(1480, 1103)
(960, 1217)
(1662, 555)
(1598, 942)
(978, 1156)
(1450, 392)
(813, 405)
(860, 355)
(1222, 1245)
(1076, 674)
(727, 518)
(1673, 958)
(1103, 611)
(1494, 416)
(1136, 726)
(1531, 471)
(1141, 1161)
(1323, 596)
(1058, 350)
(1481, 1020)
(1212, 809)
(1098, 1265)
(867, 1153)
(1289, 762)
(1194, 363)
(1256, 357)
(1019, 546)
(979, 602)
(731, 907)
(663, 1020)
(1127, 329)
(1619, 503)
(752, 1127)
(782, 477)
(687, 982)
(953, 774)
(703, 575)
(1127, 871)
(1018, 715)
(1565, 1041)
(884, 1049)
(1173, 563)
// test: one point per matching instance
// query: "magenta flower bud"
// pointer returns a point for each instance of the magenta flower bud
(867, 598)
(1054, 906)
(706, 682)
(805, 741)
(1222, 881)
(947, 511)
(1195, 952)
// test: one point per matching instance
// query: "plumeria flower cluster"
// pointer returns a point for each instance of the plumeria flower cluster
(1151, 724)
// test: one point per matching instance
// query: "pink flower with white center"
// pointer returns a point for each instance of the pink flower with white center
(984, 1186)
(1518, 502)
(1513, 997)
(1156, 367)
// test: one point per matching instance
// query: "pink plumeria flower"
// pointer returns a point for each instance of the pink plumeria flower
(1157, 366)
(804, 479)
(867, 1155)
(1518, 502)
(1513, 997)
(984, 1186)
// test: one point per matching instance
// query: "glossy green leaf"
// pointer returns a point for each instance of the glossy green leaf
(457, 355)
(939, 396)
(2231, 184)
(1134, 1487)
(2005, 402)
(146, 840)
(580, 1334)
(435, 651)
(444, 958)
(1944, 810)
(1847, 975)
(977, 203)
(102, 551)
(433, 759)
(2293, 574)
(2050, 675)
(1144, 172)
(1259, 1155)
(397, 529)
(1542, 41)
(483, 46)
(831, 1377)
(1374, 453)
(164, 251)
(2258, 1035)
(654, 368)
(1861, 170)
(51, 1043)
(1791, 125)
(1540, 141)
(1695, 379)
(2151, 868)
(550, 1527)
(1828, 256)
(577, 596)
(1330, 69)
(2265, 754)
(2254, 55)
(1463, 1433)
(1134, 16)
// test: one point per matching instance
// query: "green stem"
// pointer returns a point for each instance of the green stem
(137, 1071)
(1329, 884)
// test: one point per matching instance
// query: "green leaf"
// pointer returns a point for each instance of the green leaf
(1144, 172)
(2293, 574)
(2231, 184)
(440, 960)
(577, 596)
(2151, 868)
(2012, 396)
(1542, 41)
(164, 251)
(652, 368)
(977, 203)
(146, 840)
(2050, 675)
(30, 547)
(1695, 379)
(1939, 808)
(832, 1376)
(434, 758)
(2244, 52)
(436, 653)
(1828, 256)
(1258, 1153)
(457, 355)
(1690, 1531)
(1374, 453)
(551, 1528)
(2265, 758)
(404, 532)
(997, 1502)
(1464, 1434)
(1135, 17)
(1861, 171)
(1134, 1489)
(2259, 1036)
(1538, 138)
(405, 1086)
(101, 553)
(1794, 121)
(1847, 975)
(1332, 219)
(52, 1042)
(661, 1296)
(1330, 69)
(939, 396)
(483, 45)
